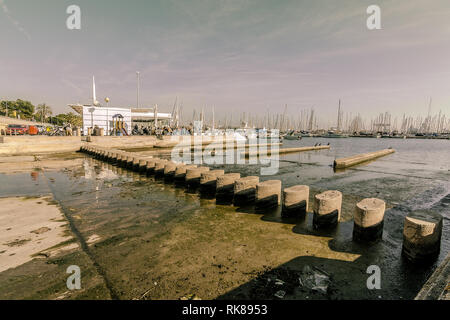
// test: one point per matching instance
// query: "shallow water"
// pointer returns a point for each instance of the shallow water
(133, 211)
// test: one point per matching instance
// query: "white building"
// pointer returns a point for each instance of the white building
(103, 117)
(107, 118)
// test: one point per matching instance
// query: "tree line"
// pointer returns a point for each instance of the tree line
(25, 110)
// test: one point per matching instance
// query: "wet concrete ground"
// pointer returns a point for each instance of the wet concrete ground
(156, 241)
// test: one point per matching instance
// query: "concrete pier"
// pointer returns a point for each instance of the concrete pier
(225, 187)
(180, 173)
(422, 236)
(268, 194)
(369, 220)
(295, 201)
(284, 150)
(208, 181)
(327, 209)
(245, 190)
(38, 144)
(193, 176)
(360, 158)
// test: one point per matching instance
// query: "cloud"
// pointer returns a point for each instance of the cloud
(15, 22)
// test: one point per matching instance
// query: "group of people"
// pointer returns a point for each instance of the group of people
(162, 131)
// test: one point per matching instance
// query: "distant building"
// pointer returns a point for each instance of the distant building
(107, 118)
(117, 121)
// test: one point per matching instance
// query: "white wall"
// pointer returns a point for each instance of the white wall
(103, 117)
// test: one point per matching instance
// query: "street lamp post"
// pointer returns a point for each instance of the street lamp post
(138, 79)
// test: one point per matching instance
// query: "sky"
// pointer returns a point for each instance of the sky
(236, 55)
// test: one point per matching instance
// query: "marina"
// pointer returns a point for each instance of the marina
(258, 157)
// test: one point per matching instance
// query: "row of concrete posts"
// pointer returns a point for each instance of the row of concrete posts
(421, 234)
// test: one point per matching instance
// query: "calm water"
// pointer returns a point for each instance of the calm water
(416, 176)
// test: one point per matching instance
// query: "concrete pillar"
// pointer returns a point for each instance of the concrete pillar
(180, 172)
(136, 163)
(422, 235)
(150, 167)
(169, 170)
(142, 165)
(99, 154)
(268, 194)
(118, 158)
(369, 220)
(130, 160)
(225, 187)
(208, 181)
(123, 159)
(245, 190)
(327, 209)
(295, 201)
(108, 156)
(159, 168)
(193, 176)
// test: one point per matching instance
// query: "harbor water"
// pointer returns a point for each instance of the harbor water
(158, 241)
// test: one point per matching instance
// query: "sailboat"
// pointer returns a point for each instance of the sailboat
(293, 136)
(336, 133)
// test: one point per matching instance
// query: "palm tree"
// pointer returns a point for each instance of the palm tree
(43, 111)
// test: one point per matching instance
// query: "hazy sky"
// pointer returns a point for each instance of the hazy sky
(239, 55)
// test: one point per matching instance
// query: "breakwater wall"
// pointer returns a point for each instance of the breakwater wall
(343, 163)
